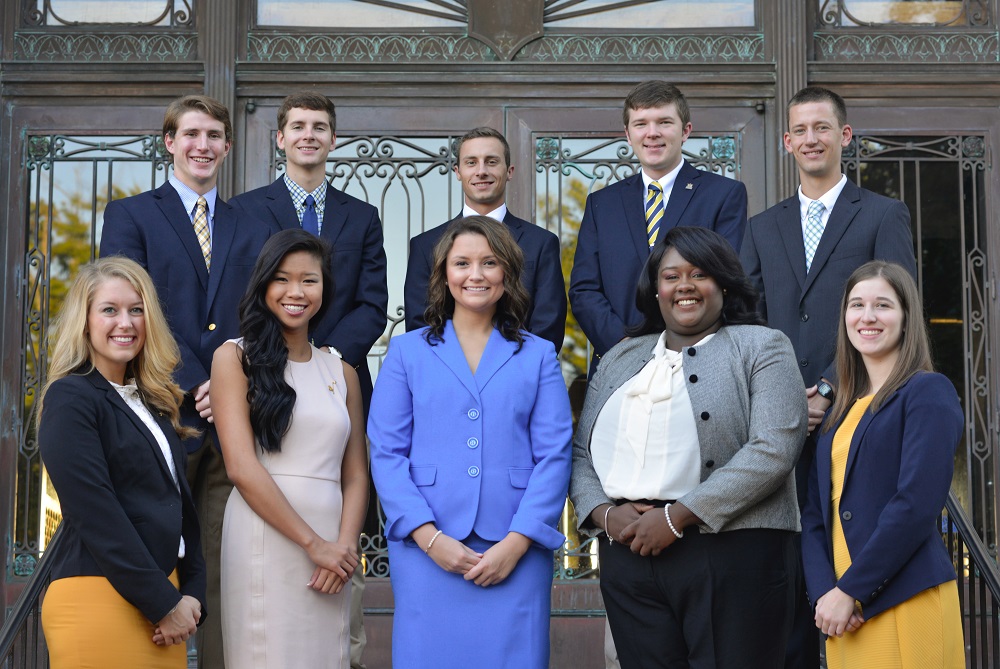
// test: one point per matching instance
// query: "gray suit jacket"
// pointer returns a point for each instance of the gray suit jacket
(863, 226)
(751, 418)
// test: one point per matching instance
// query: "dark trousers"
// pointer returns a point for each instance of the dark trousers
(803, 642)
(709, 601)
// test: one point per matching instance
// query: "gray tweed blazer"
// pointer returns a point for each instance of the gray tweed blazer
(751, 416)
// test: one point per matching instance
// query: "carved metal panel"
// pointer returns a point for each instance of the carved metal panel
(924, 46)
(50, 46)
(942, 179)
(71, 179)
(163, 13)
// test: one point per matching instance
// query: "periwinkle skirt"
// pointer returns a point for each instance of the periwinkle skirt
(442, 621)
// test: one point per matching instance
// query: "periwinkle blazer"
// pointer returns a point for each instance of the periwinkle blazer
(899, 470)
(751, 418)
(123, 517)
(487, 453)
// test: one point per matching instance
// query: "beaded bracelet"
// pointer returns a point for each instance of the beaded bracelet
(606, 512)
(433, 539)
(670, 523)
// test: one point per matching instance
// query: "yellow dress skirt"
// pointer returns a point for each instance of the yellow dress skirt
(924, 631)
(88, 625)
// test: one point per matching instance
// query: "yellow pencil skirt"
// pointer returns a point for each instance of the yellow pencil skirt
(88, 625)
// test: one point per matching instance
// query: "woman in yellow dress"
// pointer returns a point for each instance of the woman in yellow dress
(877, 570)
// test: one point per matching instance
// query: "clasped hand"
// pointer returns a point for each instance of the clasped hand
(837, 613)
(642, 526)
(335, 563)
(178, 625)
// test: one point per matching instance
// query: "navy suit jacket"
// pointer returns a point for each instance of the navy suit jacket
(542, 278)
(898, 474)
(123, 516)
(153, 229)
(612, 246)
(487, 452)
(863, 226)
(357, 317)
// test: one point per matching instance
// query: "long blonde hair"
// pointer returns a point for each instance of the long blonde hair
(152, 367)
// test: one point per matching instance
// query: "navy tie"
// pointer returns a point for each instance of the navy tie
(310, 222)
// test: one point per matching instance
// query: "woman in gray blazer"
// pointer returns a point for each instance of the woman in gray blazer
(683, 457)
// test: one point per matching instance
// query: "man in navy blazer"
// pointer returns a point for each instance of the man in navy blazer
(613, 242)
(199, 251)
(307, 125)
(484, 170)
(802, 298)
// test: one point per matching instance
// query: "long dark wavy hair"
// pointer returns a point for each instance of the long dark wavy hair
(265, 353)
(512, 307)
(710, 252)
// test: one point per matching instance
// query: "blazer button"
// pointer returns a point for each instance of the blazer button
(473, 414)
(692, 351)
(473, 471)
(846, 515)
(704, 415)
(211, 327)
(693, 378)
(804, 317)
(803, 362)
(710, 463)
(473, 442)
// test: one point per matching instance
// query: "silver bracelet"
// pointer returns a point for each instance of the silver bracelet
(670, 523)
(606, 512)
(431, 542)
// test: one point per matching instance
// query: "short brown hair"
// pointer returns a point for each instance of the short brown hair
(656, 93)
(201, 103)
(307, 100)
(819, 94)
(484, 131)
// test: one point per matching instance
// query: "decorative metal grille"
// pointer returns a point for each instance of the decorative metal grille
(648, 13)
(71, 179)
(363, 13)
(942, 181)
(161, 13)
(928, 13)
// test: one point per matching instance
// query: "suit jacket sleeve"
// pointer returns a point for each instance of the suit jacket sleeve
(548, 310)
(550, 429)
(778, 425)
(390, 429)
(732, 219)
(932, 426)
(356, 332)
(816, 550)
(750, 259)
(418, 272)
(591, 308)
(70, 443)
(122, 236)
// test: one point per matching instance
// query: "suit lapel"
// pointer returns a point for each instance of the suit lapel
(496, 354)
(635, 216)
(170, 205)
(843, 213)
(279, 203)
(451, 354)
(334, 214)
(789, 222)
(223, 233)
(685, 185)
(515, 226)
(859, 433)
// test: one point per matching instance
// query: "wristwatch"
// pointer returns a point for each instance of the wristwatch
(826, 391)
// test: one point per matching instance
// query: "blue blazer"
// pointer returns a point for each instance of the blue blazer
(612, 246)
(153, 229)
(542, 278)
(123, 517)
(487, 453)
(898, 474)
(357, 316)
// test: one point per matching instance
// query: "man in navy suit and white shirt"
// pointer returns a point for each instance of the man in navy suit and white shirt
(307, 124)
(614, 241)
(199, 252)
(484, 170)
(799, 254)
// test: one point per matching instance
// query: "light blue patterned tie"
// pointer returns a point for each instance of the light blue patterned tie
(814, 230)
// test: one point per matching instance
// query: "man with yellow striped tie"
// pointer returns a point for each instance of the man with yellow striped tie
(623, 221)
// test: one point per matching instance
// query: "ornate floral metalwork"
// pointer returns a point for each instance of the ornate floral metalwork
(927, 47)
(104, 47)
(974, 13)
(175, 13)
(973, 147)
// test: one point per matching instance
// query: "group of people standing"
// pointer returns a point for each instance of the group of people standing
(221, 344)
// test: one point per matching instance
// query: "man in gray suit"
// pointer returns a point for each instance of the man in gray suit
(800, 252)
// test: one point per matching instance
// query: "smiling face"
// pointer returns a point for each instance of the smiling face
(307, 137)
(690, 301)
(199, 148)
(474, 275)
(656, 135)
(484, 173)
(874, 320)
(816, 140)
(116, 326)
(295, 292)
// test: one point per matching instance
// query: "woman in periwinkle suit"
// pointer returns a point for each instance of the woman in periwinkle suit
(470, 432)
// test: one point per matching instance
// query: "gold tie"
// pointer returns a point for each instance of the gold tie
(201, 229)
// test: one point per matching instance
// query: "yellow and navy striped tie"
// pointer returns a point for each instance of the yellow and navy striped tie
(201, 229)
(654, 211)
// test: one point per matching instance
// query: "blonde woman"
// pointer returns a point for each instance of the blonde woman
(128, 584)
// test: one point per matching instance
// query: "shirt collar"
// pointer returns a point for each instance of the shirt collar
(828, 198)
(299, 194)
(190, 198)
(666, 181)
(497, 214)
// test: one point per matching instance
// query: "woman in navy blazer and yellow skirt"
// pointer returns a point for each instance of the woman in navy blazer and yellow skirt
(470, 429)
(876, 567)
(128, 579)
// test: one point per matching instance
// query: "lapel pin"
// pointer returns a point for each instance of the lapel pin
(689, 187)
(332, 387)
